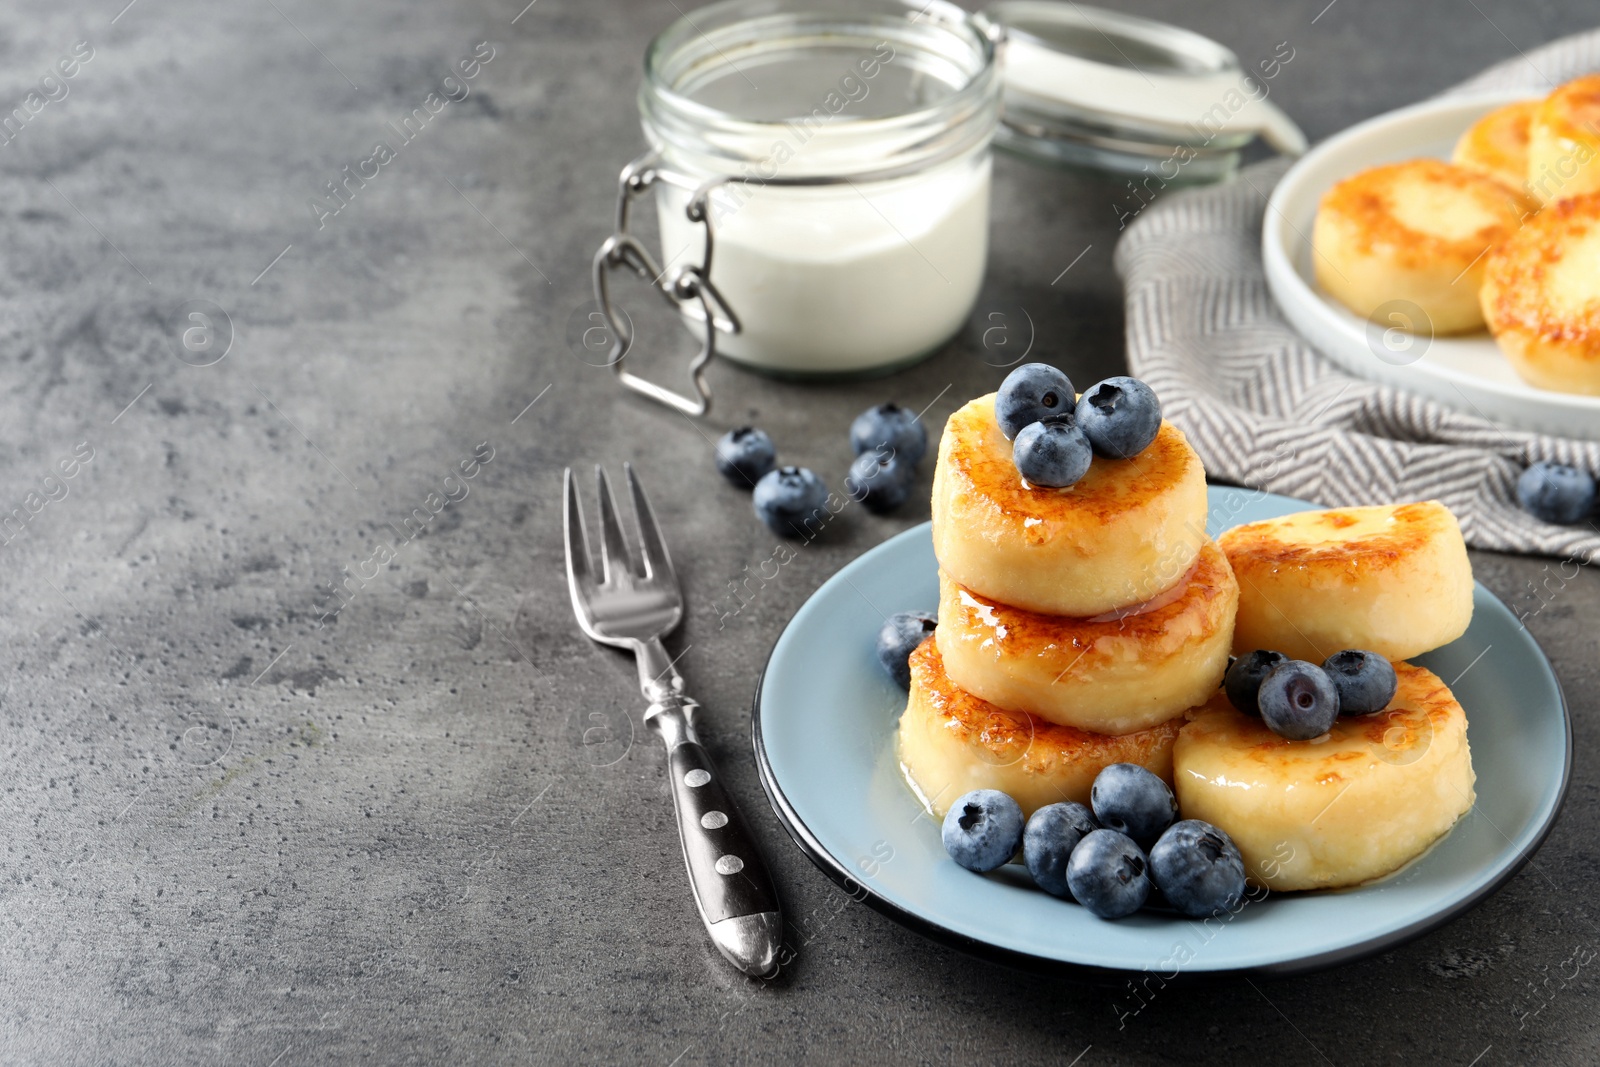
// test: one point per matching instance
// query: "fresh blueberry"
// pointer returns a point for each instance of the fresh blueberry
(1365, 680)
(1298, 700)
(1556, 492)
(744, 455)
(790, 501)
(1243, 680)
(982, 830)
(899, 637)
(892, 427)
(1047, 843)
(1120, 416)
(1032, 392)
(1131, 800)
(1108, 874)
(880, 479)
(1198, 869)
(1053, 453)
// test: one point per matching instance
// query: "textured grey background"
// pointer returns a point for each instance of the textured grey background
(233, 836)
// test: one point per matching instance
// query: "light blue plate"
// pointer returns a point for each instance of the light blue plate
(824, 729)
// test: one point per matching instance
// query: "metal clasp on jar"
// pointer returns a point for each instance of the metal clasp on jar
(685, 284)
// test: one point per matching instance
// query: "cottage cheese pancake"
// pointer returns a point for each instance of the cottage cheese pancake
(1361, 802)
(1564, 142)
(1116, 674)
(1413, 232)
(1541, 297)
(1497, 145)
(1392, 579)
(952, 742)
(1128, 530)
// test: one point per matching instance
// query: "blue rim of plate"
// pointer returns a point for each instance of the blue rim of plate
(792, 803)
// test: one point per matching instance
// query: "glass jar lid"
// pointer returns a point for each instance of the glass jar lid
(1093, 87)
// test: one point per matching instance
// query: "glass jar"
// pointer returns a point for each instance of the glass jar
(847, 153)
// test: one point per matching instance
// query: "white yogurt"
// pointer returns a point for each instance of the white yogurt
(842, 278)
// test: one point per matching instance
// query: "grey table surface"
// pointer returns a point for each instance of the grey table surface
(240, 831)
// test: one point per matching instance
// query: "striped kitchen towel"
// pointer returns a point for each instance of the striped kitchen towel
(1266, 410)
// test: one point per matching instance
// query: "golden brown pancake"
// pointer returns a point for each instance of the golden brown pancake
(1116, 674)
(1564, 142)
(1413, 233)
(1127, 531)
(1353, 805)
(1390, 579)
(1497, 145)
(952, 742)
(1541, 297)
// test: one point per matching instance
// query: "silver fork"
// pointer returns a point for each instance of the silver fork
(633, 604)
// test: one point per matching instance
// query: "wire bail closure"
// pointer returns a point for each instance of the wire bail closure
(686, 285)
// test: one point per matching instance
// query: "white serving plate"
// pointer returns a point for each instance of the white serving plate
(1467, 373)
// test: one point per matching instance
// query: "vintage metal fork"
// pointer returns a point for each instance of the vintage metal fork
(632, 604)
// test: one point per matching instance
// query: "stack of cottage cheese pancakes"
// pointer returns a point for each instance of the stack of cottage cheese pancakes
(1093, 624)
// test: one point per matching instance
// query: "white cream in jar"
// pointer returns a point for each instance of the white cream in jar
(834, 280)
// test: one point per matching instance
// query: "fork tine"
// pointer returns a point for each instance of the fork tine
(577, 537)
(613, 547)
(658, 564)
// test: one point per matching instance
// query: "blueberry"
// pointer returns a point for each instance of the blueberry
(1298, 700)
(892, 427)
(1108, 874)
(898, 638)
(982, 830)
(1365, 681)
(1032, 392)
(1047, 843)
(1243, 680)
(1120, 416)
(790, 501)
(744, 455)
(880, 479)
(1131, 800)
(1053, 453)
(1556, 492)
(1198, 869)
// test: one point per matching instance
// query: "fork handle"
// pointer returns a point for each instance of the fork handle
(732, 886)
